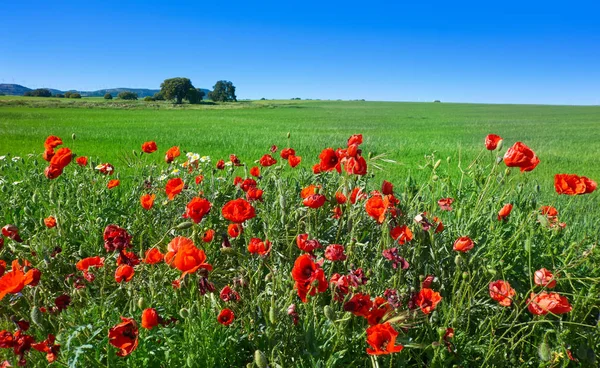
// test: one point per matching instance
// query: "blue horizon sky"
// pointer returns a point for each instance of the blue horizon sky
(510, 52)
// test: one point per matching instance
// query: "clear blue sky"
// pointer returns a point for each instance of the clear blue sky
(485, 51)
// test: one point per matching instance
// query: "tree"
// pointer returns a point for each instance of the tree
(194, 95)
(126, 95)
(75, 95)
(68, 94)
(59, 95)
(40, 92)
(158, 96)
(176, 88)
(223, 91)
(108, 96)
(148, 99)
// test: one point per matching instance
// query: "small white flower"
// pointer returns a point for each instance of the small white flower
(17, 182)
(162, 177)
(2, 158)
(228, 163)
(175, 172)
(16, 158)
(221, 179)
(204, 159)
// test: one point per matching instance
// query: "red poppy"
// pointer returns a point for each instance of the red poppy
(234, 230)
(549, 211)
(307, 245)
(149, 147)
(116, 238)
(124, 272)
(463, 244)
(294, 160)
(505, 212)
(49, 347)
(197, 208)
(392, 255)
(255, 171)
(183, 254)
(235, 160)
(501, 292)
(199, 179)
(572, 184)
(153, 256)
(314, 200)
(106, 169)
(356, 165)
(387, 188)
(254, 194)
(376, 207)
(50, 222)
(174, 187)
(359, 305)
(150, 318)
(172, 154)
(445, 204)
(491, 141)
(124, 336)
(85, 264)
(287, 152)
(335, 252)
(543, 277)
(52, 142)
(238, 210)
(208, 236)
(380, 308)
(402, 234)
(267, 160)
(337, 212)
(427, 299)
(2, 267)
(382, 339)
(61, 158)
(316, 169)
(15, 280)
(12, 232)
(257, 246)
(357, 195)
(147, 201)
(340, 198)
(226, 317)
(521, 156)
(544, 302)
(48, 154)
(308, 276)
(229, 295)
(82, 160)
(355, 139)
(221, 164)
(248, 184)
(113, 183)
(273, 149)
(53, 172)
(328, 160)
(237, 180)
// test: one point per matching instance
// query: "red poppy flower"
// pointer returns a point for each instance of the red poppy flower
(376, 207)
(254, 194)
(255, 171)
(15, 280)
(427, 299)
(238, 210)
(50, 222)
(234, 230)
(549, 211)
(82, 160)
(226, 317)
(267, 160)
(314, 200)
(340, 198)
(337, 212)
(208, 236)
(235, 160)
(172, 154)
(543, 277)
(199, 179)
(382, 339)
(48, 154)
(328, 160)
(501, 292)
(113, 183)
(257, 246)
(116, 238)
(150, 318)
(106, 169)
(308, 191)
(308, 276)
(221, 164)
(359, 305)
(53, 172)
(357, 195)
(392, 255)
(184, 255)
(174, 187)
(237, 180)
(287, 152)
(273, 149)
(197, 208)
(463, 244)
(2, 267)
(335, 252)
(505, 212)
(544, 302)
(491, 141)
(521, 156)
(52, 142)
(355, 139)
(305, 244)
(147, 201)
(380, 308)
(445, 204)
(402, 234)
(572, 184)
(294, 160)
(49, 347)
(124, 336)
(61, 158)
(124, 273)
(387, 188)
(153, 256)
(149, 147)
(316, 169)
(85, 264)
(229, 295)
(12, 232)
(356, 165)
(248, 184)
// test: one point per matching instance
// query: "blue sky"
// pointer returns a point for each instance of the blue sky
(505, 51)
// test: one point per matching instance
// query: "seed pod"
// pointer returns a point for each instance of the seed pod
(228, 251)
(184, 225)
(260, 359)
(329, 313)
(36, 315)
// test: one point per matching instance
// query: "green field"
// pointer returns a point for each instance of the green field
(566, 138)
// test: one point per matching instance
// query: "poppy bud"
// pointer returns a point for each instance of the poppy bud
(259, 357)
(184, 313)
(500, 144)
(272, 315)
(457, 260)
(465, 275)
(141, 303)
(441, 331)
(498, 160)
(36, 315)
(544, 351)
(228, 251)
(73, 136)
(437, 164)
(184, 225)
(448, 159)
(435, 178)
(288, 135)
(507, 171)
(329, 313)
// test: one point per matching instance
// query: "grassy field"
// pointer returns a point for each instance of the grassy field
(567, 138)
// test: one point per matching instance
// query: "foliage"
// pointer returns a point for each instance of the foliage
(176, 89)
(108, 96)
(75, 95)
(126, 95)
(223, 91)
(40, 92)
(158, 96)
(148, 99)
(194, 95)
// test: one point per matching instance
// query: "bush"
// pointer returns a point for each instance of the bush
(40, 92)
(148, 99)
(437, 101)
(68, 94)
(158, 96)
(108, 96)
(126, 95)
(59, 95)
(194, 96)
(75, 95)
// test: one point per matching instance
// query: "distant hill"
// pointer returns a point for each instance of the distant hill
(18, 90)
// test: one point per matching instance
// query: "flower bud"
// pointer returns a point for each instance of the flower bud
(36, 315)
(141, 303)
(457, 260)
(437, 164)
(260, 359)
(73, 136)
(272, 315)
(500, 144)
(435, 178)
(184, 313)
(329, 313)
(184, 225)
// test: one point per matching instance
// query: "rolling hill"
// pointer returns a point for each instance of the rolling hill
(19, 90)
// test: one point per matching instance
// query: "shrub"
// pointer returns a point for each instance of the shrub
(68, 94)
(108, 96)
(158, 96)
(127, 95)
(59, 95)
(148, 99)
(75, 95)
